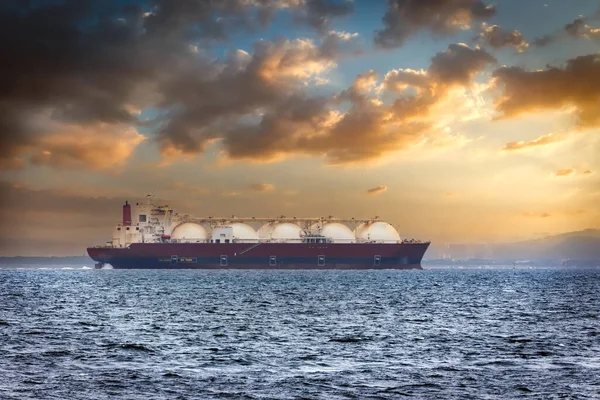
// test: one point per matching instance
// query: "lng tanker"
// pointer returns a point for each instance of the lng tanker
(157, 237)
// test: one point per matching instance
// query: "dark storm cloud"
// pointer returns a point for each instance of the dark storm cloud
(577, 85)
(76, 63)
(404, 18)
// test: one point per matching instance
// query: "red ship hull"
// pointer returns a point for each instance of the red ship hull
(262, 256)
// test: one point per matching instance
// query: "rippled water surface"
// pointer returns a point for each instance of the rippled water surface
(88, 334)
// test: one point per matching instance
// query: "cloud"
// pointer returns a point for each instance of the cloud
(216, 19)
(262, 187)
(98, 63)
(544, 41)
(231, 97)
(318, 13)
(231, 194)
(369, 129)
(497, 38)
(251, 105)
(97, 146)
(459, 64)
(456, 66)
(588, 172)
(541, 141)
(576, 29)
(565, 172)
(377, 190)
(186, 190)
(405, 18)
(575, 85)
(536, 214)
(449, 194)
(594, 34)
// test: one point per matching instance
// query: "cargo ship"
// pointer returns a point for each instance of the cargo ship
(158, 237)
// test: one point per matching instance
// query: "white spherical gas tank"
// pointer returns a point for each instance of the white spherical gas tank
(377, 232)
(286, 231)
(338, 233)
(189, 232)
(243, 232)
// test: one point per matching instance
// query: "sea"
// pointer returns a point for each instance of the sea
(439, 333)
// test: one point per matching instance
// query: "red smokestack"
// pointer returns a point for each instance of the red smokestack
(127, 214)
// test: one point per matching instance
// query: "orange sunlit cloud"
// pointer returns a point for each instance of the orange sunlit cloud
(536, 214)
(262, 187)
(377, 190)
(540, 141)
(565, 172)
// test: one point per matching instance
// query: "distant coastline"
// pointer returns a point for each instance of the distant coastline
(49, 261)
(475, 262)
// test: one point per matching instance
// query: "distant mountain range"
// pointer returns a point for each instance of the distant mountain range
(581, 245)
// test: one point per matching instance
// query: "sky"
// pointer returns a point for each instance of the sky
(455, 120)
